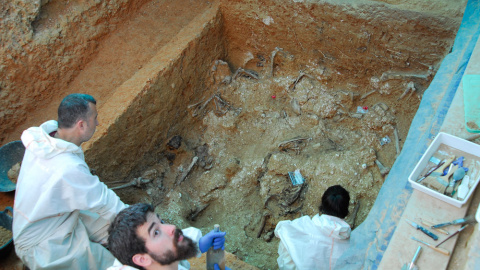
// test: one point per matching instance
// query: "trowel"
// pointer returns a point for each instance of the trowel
(465, 220)
(411, 265)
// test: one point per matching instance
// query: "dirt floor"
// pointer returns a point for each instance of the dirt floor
(252, 129)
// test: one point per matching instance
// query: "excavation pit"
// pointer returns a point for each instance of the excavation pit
(218, 114)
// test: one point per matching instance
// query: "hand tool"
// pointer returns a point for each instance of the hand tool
(432, 181)
(425, 231)
(463, 188)
(412, 265)
(431, 171)
(467, 219)
(430, 224)
(457, 175)
(453, 234)
(437, 249)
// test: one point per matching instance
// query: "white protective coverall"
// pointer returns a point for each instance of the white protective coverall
(191, 232)
(314, 243)
(61, 212)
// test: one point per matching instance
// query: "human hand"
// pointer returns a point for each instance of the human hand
(216, 267)
(215, 239)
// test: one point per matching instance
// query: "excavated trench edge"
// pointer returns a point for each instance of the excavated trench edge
(370, 239)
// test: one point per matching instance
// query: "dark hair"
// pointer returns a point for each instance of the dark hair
(335, 202)
(123, 241)
(73, 108)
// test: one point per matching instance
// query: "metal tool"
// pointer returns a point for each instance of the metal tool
(429, 224)
(453, 234)
(437, 249)
(411, 265)
(425, 231)
(467, 219)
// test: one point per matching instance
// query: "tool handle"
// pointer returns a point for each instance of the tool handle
(430, 224)
(440, 250)
(427, 232)
(445, 165)
(441, 225)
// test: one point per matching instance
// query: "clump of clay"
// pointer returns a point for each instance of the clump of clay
(13, 172)
(5, 236)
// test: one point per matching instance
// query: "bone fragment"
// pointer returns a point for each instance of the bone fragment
(397, 141)
(272, 58)
(187, 171)
(249, 73)
(135, 182)
(410, 87)
(262, 225)
(297, 80)
(383, 170)
(367, 94)
(296, 106)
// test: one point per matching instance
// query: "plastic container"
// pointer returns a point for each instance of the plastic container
(10, 154)
(6, 222)
(215, 256)
(454, 142)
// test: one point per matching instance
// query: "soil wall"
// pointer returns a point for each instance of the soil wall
(44, 46)
(152, 106)
(349, 41)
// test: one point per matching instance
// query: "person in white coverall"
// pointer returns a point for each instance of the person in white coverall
(62, 211)
(316, 243)
(139, 239)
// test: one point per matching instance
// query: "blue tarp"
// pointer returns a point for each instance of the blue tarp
(370, 240)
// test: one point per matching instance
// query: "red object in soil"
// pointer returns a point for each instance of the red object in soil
(365, 108)
(274, 96)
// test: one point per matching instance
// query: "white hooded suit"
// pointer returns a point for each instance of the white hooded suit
(307, 244)
(61, 211)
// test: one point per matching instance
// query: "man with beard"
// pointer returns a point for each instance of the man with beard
(139, 239)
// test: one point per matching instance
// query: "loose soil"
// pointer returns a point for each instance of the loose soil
(251, 129)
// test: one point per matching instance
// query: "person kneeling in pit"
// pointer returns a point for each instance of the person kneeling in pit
(139, 239)
(316, 243)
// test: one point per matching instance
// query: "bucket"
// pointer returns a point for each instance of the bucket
(6, 222)
(10, 154)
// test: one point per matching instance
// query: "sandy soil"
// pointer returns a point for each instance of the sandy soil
(251, 130)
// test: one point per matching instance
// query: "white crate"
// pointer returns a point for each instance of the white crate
(452, 141)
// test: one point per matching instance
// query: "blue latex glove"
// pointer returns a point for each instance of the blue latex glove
(215, 239)
(459, 162)
(216, 267)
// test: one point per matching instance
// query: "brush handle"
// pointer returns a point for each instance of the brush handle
(437, 249)
(440, 250)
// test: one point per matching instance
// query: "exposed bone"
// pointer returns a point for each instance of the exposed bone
(282, 144)
(220, 104)
(296, 106)
(293, 196)
(397, 141)
(367, 94)
(410, 88)
(187, 171)
(399, 75)
(262, 225)
(383, 170)
(135, 182)
(297, 80)
(354, 213)
(272, 58)
(245, 72)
